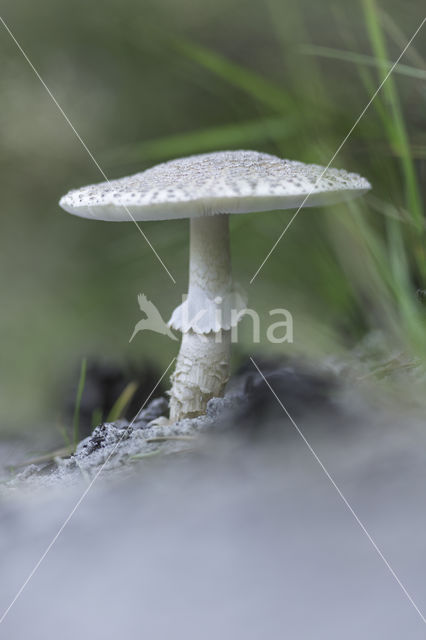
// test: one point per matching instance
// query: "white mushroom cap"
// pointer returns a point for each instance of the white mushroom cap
(211, 183)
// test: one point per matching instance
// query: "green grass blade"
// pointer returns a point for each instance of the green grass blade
(259, 131)
(265, 91)
(122, 402)
(64, 433)
(96, 417)
(398, 132)
(80, 389)
(396, 34)
(362, 59)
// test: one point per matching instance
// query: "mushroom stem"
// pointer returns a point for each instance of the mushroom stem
(210, 255)
(202, 371)
(202, 366)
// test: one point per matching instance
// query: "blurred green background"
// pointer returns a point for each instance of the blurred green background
(147, 81)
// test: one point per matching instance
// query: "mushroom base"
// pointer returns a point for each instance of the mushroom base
(202, 371)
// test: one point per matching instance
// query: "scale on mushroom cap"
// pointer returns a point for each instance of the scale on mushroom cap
(208, 188)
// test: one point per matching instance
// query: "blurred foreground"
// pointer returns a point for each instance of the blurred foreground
(243, 536)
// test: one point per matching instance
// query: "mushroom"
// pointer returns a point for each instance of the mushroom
(207, 188)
